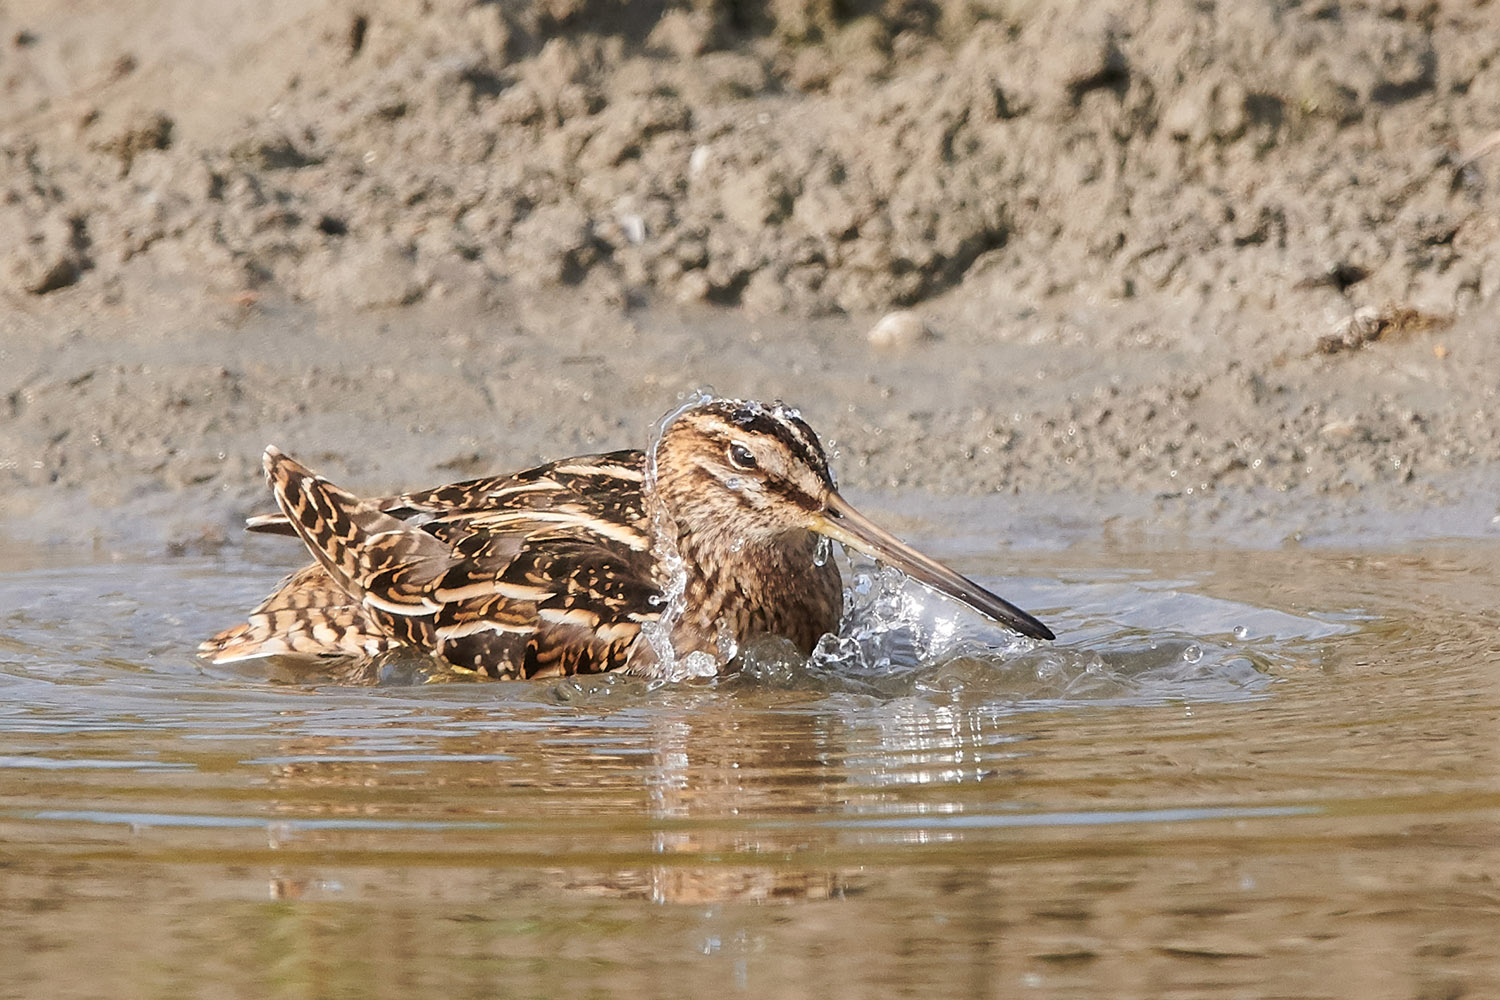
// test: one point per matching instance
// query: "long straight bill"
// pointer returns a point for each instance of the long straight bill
(847, 526)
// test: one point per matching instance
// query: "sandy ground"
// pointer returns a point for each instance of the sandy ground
(1222, 270)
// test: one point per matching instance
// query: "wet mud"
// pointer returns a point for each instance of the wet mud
(1200, 268)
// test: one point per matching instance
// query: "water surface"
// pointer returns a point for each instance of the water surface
(1263, 773)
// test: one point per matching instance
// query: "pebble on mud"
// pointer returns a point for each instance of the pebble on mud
(1368, 324)
(1339, 431)
(901, 328)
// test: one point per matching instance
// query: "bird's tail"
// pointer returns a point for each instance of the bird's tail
(308, 617)
(379, 561)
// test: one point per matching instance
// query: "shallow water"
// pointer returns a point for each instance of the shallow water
(1239, 773)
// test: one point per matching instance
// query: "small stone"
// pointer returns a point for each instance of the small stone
(699, 160)
(1339, 431)
(634, 227)
(898, 329)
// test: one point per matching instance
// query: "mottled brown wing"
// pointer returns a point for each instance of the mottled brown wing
(566, 601)
(558, 575)
(561, 588)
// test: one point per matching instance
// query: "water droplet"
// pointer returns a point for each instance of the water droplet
(727, 644)
(1241, 632)
(1193, 653)
(823, 551)
(664, 543)
(696, 664)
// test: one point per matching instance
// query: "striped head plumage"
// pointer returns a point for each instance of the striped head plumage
(583, 565)
(741, 468)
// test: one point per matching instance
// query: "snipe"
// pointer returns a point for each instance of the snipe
(615, 562)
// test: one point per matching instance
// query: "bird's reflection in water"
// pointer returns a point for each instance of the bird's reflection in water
(682, 796)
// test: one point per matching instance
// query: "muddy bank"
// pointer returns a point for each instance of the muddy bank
(162, 450)
(1188, 265)
(1272, 167)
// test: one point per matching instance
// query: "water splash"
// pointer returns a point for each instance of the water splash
(1127, 638)
(898, 641)
(674, 568)
(891, 624)
(726, 642)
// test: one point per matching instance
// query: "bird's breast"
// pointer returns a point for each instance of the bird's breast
(782, 588)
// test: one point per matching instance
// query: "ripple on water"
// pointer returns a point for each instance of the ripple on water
(899, 640)
(935, 779)
(127, 632)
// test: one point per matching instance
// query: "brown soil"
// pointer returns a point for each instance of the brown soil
(1198, 264)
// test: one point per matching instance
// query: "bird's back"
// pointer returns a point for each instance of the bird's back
(547, 571)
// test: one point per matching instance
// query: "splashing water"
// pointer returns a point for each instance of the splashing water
(889, 622)
(897, 641)
(664, 543)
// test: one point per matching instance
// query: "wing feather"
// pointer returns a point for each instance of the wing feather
(541, 573)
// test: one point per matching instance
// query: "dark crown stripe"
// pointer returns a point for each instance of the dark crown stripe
(790, 431)
(812, 449)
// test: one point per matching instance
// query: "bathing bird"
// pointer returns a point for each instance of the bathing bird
(627, 561)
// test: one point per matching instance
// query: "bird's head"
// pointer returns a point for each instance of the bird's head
(736, 473)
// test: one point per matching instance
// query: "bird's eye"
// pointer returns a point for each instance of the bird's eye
(741, 457)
